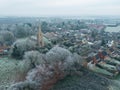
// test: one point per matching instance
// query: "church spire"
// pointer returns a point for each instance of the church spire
(40, 40)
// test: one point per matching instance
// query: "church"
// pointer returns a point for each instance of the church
(40, 39)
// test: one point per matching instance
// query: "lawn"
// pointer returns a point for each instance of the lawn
(9, 69)
(113, 29)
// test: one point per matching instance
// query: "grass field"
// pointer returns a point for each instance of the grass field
(113, 29)
(9, 68)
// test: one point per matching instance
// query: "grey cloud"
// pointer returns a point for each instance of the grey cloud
(59, 7)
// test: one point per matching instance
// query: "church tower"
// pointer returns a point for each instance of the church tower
(40, 41)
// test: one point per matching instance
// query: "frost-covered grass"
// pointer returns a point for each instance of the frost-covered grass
(115, 83)
(9, 69)
(113, 29)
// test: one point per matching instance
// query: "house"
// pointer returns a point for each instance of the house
(4, 50)
(97, 57)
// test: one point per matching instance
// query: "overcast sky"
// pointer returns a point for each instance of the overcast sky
(59, 7)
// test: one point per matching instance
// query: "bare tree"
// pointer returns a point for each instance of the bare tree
(7, 37)
(49, 68)
(33, 58)
(21, 46)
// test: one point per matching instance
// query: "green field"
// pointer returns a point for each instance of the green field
(9, 69)
(113, 29)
